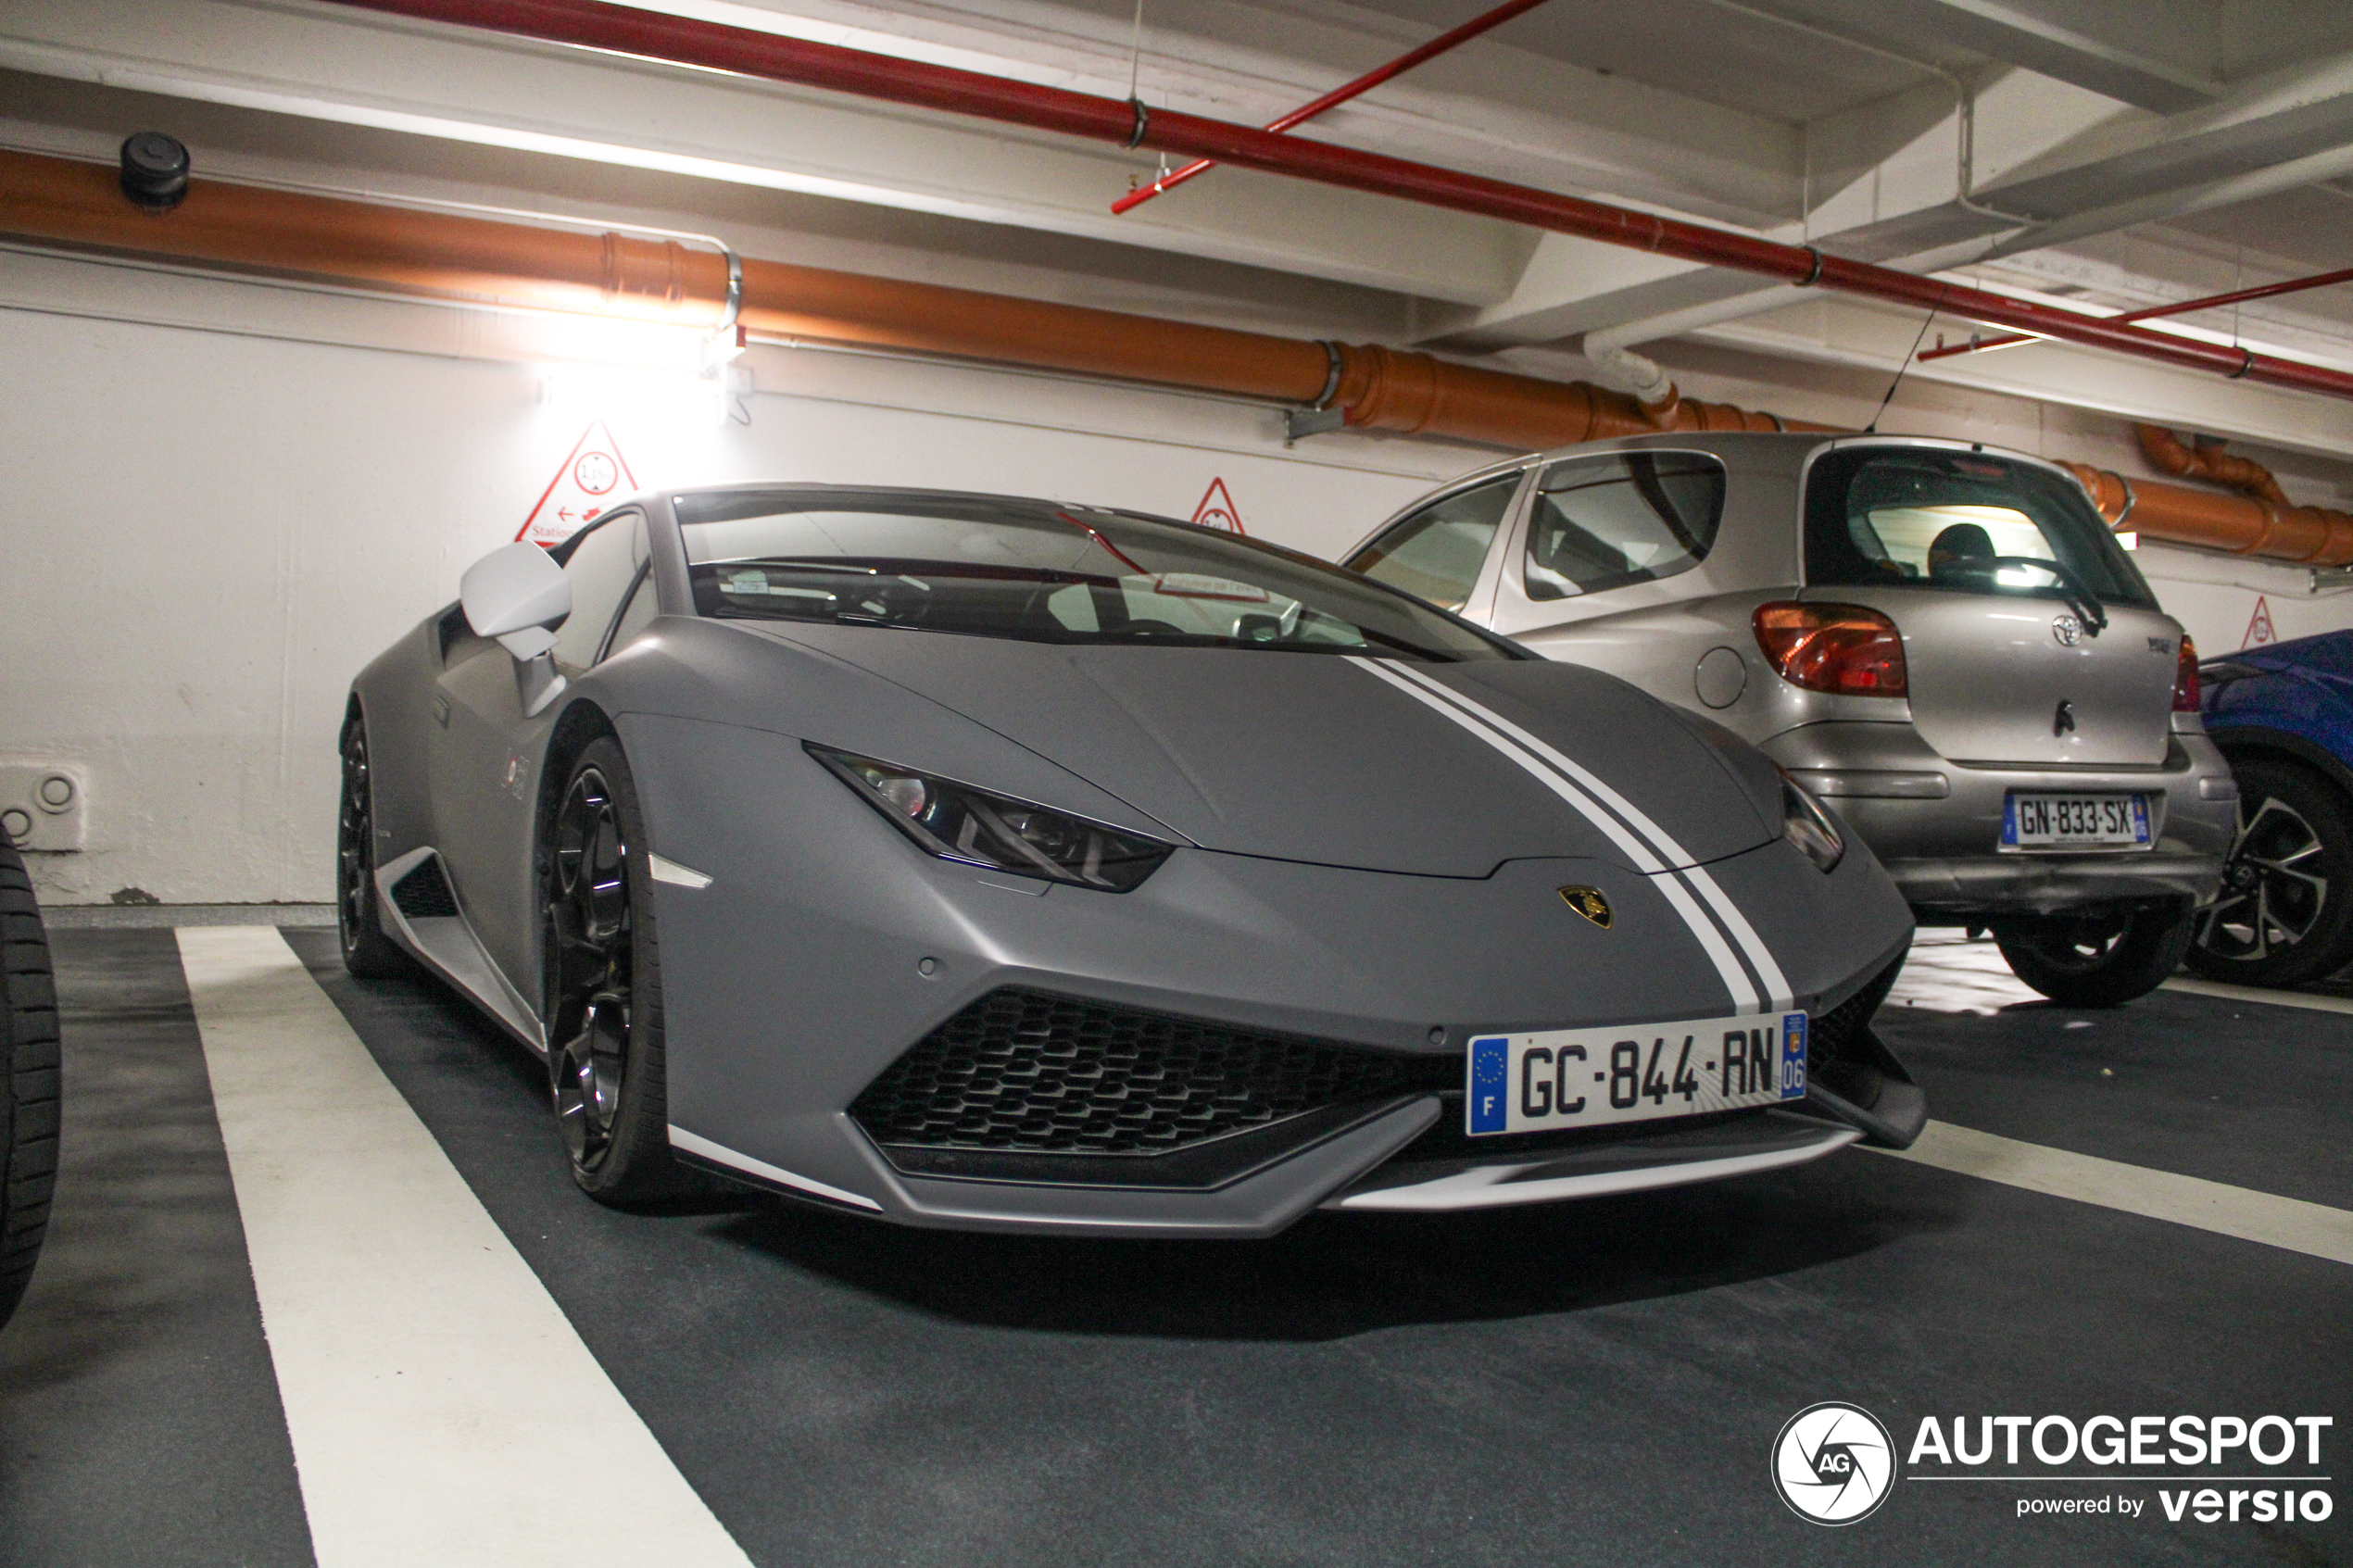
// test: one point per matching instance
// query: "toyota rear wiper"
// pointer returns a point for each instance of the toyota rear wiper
(2080, 597)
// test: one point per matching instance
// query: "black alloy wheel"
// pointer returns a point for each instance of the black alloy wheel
(604, 1057)
(2284, 911)
(2097, 957)
(367, 951)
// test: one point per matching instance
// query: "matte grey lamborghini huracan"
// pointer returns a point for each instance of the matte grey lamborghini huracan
(975, 861)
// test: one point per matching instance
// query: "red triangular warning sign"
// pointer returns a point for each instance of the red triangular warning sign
(2258, 628)
(1217, 509)
(593, 477)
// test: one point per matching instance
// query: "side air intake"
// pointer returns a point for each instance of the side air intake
(424, 893)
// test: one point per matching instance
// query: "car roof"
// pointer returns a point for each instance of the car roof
(1758, 448)
(878, 492)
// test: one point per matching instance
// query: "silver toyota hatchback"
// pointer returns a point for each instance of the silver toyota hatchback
(1945, 640)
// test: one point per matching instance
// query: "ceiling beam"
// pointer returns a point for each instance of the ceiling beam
(360, 68)
(1868, 335)
(2289, 114)
(2124, 62)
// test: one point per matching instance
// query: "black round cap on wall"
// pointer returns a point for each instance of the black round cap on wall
(155, 170)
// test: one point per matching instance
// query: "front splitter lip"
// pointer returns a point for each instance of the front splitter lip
(1355, 1173)
(1772, 1142)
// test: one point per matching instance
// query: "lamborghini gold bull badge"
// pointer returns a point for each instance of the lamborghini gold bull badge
(1588, 902)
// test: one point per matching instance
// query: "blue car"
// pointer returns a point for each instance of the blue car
(2283, 715)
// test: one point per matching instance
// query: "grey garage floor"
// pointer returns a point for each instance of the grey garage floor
(1598, 1383)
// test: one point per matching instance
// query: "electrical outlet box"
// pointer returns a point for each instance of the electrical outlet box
(44, 806)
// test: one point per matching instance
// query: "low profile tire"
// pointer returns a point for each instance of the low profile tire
(367, 951)
(604, 989)
(28, 1073)
(2285, 913)
(2100, 958)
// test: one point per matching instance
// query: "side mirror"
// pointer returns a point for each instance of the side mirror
(518, 596)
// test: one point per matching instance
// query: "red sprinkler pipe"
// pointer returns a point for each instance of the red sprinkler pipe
(2150, 313)
(916, 84)
(1338, 95)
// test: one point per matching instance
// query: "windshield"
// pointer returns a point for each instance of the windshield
(988, 567)
(1966, 522)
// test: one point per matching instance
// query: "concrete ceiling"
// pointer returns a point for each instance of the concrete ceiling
(2144, 137)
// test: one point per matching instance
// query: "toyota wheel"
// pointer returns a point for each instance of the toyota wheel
(2097, 958)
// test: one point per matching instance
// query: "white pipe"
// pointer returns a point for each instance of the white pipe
(1631, 371)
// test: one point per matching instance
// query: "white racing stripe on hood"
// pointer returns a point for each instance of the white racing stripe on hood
(1760, 957)
(1727, 967)
(1626, 825)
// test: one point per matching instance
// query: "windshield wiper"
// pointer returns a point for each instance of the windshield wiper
(2079, 595)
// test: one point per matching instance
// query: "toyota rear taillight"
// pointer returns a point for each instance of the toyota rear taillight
(1842, 648)
(2185, 677)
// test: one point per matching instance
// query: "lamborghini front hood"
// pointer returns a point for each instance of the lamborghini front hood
(1445, 769)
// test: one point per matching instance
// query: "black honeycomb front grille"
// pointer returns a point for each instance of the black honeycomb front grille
(1029, 1072)
(1836, 1052)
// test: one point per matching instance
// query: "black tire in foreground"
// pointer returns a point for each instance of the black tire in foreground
(2099, 959)
(604, 989)
(29, 1080)
(2284, 913)
(367, 951)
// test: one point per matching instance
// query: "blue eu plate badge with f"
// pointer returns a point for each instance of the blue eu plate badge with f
(1490, 1070)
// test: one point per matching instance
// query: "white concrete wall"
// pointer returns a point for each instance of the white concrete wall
(2227, 604)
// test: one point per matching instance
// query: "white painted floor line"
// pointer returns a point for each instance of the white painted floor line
(1947, 973)
(2259, 994)
(443, 1410)
(2311, 1228)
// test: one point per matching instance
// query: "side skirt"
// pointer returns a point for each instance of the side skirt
(445, 943)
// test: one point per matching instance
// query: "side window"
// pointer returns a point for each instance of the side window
(644, 604)
(1630, 517)
(1435, 552)
(601, 563)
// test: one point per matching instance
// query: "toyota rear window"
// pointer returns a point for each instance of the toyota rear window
(1971, 522)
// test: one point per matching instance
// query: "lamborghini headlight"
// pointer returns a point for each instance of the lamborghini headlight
(956, 821)
(1805, 824)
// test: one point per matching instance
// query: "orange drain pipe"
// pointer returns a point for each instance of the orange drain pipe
(2261, 522)
(2238, 524)
(379, 245)
(394, 249)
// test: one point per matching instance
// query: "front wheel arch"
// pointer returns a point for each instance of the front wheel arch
(631, 1159)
